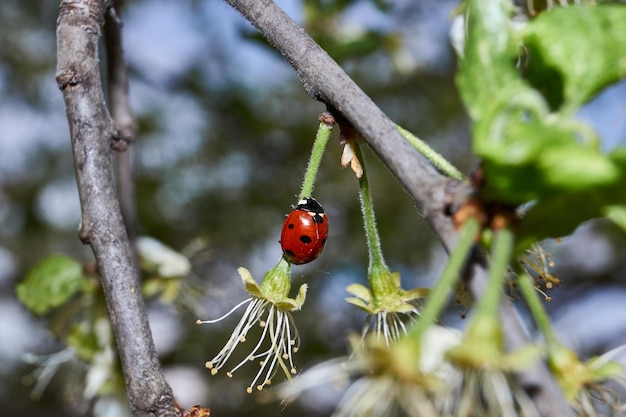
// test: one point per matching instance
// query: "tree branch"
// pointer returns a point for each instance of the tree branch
(93, 133)
(325, 81)
(122, 115)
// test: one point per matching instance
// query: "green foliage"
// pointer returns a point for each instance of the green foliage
(575, 51)
(84, 340)
(532, 148)
(323, 22)
(51, 283)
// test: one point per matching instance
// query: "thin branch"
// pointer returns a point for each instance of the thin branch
(93, 134)
(325, 81)
(122, 115)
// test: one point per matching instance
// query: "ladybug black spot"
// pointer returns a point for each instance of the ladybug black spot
(306, 239)
(318, 219)
(324, 241)
(289, 252)
(290, 226)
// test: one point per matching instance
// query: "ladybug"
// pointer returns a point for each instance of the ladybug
(304, 232)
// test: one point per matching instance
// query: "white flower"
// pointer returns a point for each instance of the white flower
(270, 309)
(387, 383)
(389, 308)
(161, 259)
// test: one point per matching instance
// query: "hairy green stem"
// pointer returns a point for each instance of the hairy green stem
(441, 163)
(439, 295)
(321, 139)
(536, 308)
(376, 259)
(500, 256)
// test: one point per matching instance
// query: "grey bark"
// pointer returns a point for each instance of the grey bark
(93, 135)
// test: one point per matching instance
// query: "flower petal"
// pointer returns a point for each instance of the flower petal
(251, 285)
(360, 304)
(360, 291)
(301, 295)
(404, 308)
(416, 294)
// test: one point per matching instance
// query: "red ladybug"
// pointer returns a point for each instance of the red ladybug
(304, 232)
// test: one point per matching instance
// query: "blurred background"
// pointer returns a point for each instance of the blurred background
(224, 133)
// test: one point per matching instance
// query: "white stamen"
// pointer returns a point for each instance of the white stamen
(225, 315)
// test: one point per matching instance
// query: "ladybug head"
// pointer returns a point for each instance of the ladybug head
(310, 204)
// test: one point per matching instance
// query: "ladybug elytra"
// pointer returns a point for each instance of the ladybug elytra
(304, 232)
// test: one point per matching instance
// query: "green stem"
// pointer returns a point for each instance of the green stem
(536, 308)
(321, 139)
(500, 256)
(439, 295)
(441, 163)
(376, 259)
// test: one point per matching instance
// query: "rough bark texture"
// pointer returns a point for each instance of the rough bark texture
(122, 114)
(325, 81)
(93, 134)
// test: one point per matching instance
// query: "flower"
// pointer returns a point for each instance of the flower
(492, 392)
(587, 385)
(385, 301)
(158, 259)
(538, 263)
(406, 377)
(270, 308)
(386, 304)
(489, 387)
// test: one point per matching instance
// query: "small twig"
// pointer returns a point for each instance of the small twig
(122, 114)
(92, 133)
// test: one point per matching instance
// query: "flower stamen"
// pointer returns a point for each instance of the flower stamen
(231, 311)
(269, 308)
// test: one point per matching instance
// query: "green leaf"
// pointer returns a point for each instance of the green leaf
(531, 159)
(489, 53)
(530, 152)
(575, 51)
(50, 283)
(618, 215)
(576, 168)
(84, 341)
(559, 216)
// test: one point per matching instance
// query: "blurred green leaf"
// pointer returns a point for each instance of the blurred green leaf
(528, 151)
(575, 51)
(84, 340)
(50, 283)
(487, 76)
(618, 215)
(561, 214)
